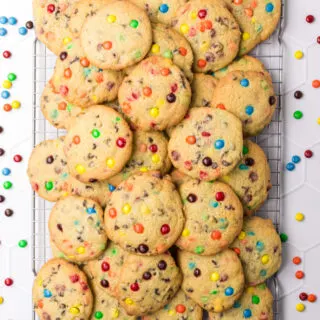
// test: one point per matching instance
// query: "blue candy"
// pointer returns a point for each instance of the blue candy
(91, 210)
(13, 21)
(5, 94)
(6, 171)
(229, 291)
(249, 110)
(244, 82)
(3, 20)
(111, 187)
(290, 166)
(3, 32)
(247, 313)
(219, 144)
(47, 293)
(23, 31)
(164, 8)
(269, 7)
(296, 159)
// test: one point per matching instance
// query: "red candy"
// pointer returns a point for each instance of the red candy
(8, 282)
(216, 235)
(165, 229)
(105, 266)
(51, 8)
(202, 63)
(318, 39)
(134, 286)
(153, 148)
(296, 260)
(299, 274)
(74, 278)
(303, 296)
(308, 153)
(121, 142)
(310, 18)
(202, 13)
(220, 196)
(180, 308)
(6, 54)
(64, 90)
(205, 134)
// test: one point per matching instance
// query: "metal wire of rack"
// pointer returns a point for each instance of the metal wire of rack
(269, 52)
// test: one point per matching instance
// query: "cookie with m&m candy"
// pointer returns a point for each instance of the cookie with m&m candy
(251, 179)
(259, 249)
(257, 20)
(76, 228)
(214, 282)
(117, 36)
(212, 31)
(159, 10)
(250, 96)
(180, 307)
(48, 170)
(149, 153)
(62, 283)
(144, 214)
(207, 144)
(98, 144)
(147, 284)
(255, 303)
(214, 217)
(81, 83)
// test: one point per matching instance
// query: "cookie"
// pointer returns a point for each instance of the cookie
(81, 83)
(144, 215)
(255, 303)
(76, 228)
(214, 217)
(245, 63)
(259, 248)
(207, 144)
(251, 179)
(214, 282)
(212, 31)
(48, 171)
(249, 96)
(178, 178)
(147, 284)
(61, 291)
(160, 11)
(98, 145)
(99, 191)
(202, 88)
(149, 153)
(51, 21)
(117, 36)
(180, 307)
(257, 20)
(105, 306)
(168, 43)
(81, 10)
(155, 95)
(106, 269)
(56, 109)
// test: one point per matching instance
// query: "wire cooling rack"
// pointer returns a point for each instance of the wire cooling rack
(269, 52)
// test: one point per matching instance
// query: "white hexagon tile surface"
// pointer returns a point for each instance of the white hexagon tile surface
(301, 187)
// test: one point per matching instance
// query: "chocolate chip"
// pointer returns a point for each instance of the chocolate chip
(104, 283)
(59, 226)
(192, 197)
(298, 94)
(207, 161)
(162, 265)
(93, 180)
(272, 100)
(29, 25)
(197, 272)
(2, 198)
(249, 162)
(63, 55)
(142, 248)
(147, 275)
(8, 212)
(50, 159)
(171, 97)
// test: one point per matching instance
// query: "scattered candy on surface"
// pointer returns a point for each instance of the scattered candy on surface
(15, 104)
(29, 25)
(2, 198)
(298, 114)
(283, 237)
(6, 54)
(298, 54)
(300, 307)
(8, 212)
(1, 300)
(2, 152)
(3, 20)
(296, 159)
(12, 21)
(7, 107)
(12, 76)
(312, 298)
(298, 94)
(7, 185)
(6, 171)
(299, 216)
(310, 18)
(23, 31)
(299, 274)
(303, 296)
(3, 32)
(290, 166)
(316, 84)
(318, 39)
(8, 282)
(5, 94)
(17, 158)
(308, 153)
(296, 260)
(22, 243)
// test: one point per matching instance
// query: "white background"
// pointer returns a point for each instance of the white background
(301, 187)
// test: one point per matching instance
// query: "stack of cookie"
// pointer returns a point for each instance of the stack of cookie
(141, 86)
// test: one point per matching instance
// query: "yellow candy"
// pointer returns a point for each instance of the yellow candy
(160, 102)
(193, 15)
(80, 169)
(74, 310)
(129, 301)
(112, 18)
(215, 276)
(204, 46)
(265, 259)
(126, 208)
(171, 312)
(115, 313)
(65, 194)
(184, 28)
(110, 162)
(67, 40)
(154, 112)
(144, 169)
(155, 158)
(218, 308)
(318, 120)
(94, 98)
(185, 232)
(245, 36)
(7, 84)
(145, 209)
(1, 300)
(242, 235)
(81, 250)
(250, 290)
(155, 48)
(300, 307)
(40, 282)
(253, 20)
(298, 54)
(226, 178)
(299, 216)
(15, 104)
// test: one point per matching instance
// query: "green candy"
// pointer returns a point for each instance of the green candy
(245, 150)
(298, 114)
(134, 24)
(199, 249)
(22, 243)
(283, 237)
(98, 315)
(255, 300)
(95, 133)
(7, 185)
(168, 54)
(12, 76)
(49, 185)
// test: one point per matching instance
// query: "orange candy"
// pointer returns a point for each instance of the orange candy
(208, 24)
(180, 308)
(7, 107)
(107, 45)
(316, 83)
(147, 91)
(221, 106)
(249, 12)
(62, 106)
(296, 260)
(237, 2)
(191, 139)
(299, 274)
(84, 62)
(312, 298)
(67, 73)
(126, 107)
(138, 228)
(76, 140)
(202, 63)
(183, 51)
(112, 212)
(236, 250)
(165, 71)
(216, 235)
(99, 77)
